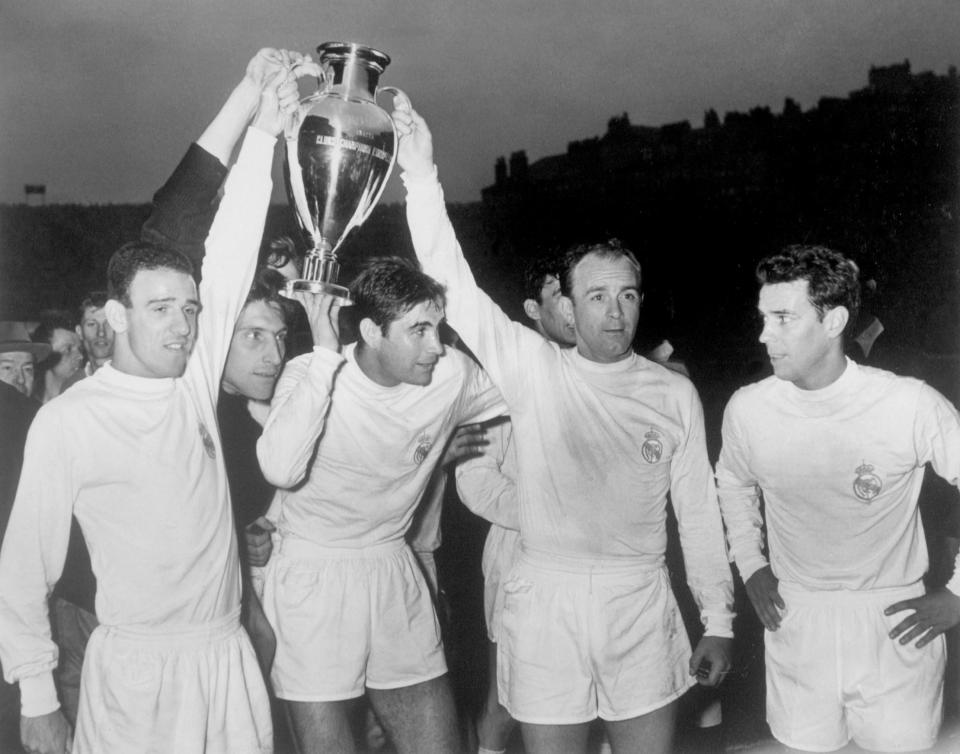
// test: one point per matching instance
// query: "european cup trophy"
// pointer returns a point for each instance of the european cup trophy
(340, 150)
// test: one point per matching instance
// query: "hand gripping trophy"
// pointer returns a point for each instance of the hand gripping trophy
(341, 147)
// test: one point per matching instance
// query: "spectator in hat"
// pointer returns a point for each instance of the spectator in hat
(19, 356)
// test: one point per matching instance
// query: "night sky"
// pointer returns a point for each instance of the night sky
(101, 97)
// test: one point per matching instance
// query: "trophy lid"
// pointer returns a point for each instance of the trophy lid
(330, 51)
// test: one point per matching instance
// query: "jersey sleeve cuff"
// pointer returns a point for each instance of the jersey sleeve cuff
(749, 566)
(38, 695)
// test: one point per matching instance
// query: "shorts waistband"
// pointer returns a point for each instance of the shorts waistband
(588, 566)
(178, 635)
(799, 594)
(296, 547)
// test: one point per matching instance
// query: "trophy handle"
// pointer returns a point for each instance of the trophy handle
(292, 126)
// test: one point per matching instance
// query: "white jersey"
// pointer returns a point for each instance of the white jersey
(599, 446)
(352, 457)
(139, 462)
(840, 471)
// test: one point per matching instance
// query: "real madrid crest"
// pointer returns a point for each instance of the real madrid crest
(867, 485)
(207, 441)
(652, 448)
(424, 443)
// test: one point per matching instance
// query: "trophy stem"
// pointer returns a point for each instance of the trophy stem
(321, 271)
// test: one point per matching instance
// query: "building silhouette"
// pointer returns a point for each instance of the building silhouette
(873, 174)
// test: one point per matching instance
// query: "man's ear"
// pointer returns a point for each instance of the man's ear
(370, 332)
(835, 320)
(532, 309)
(116, 315)
(566, 309)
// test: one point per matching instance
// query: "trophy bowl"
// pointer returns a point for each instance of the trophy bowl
(340, 149)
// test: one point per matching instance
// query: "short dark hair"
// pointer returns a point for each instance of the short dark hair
(92, 300)
(832, 279)
(50, 320)
(612, 248)
(266, 287)
(389, 287)
(279, 251)
(537, 271)
(133, 257)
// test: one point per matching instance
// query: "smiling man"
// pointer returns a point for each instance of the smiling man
(352, 440)
(836, 453)
(590, 626)
(137, 460)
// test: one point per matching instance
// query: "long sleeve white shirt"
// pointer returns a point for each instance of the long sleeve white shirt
(352, 458)
(487, 484)
(599, 446)
(140, 464)
(840, 471)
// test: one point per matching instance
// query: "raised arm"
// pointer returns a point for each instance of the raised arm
(302, 397)
(184, 207)
(234, 241)
(501, 345)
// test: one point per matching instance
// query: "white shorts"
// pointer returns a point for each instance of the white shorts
(189, 691)
(428, 567)
(500, 552)
(582, 639)
(346, 619)
(834, 674)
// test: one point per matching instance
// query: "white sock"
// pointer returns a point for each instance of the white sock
(481, 750)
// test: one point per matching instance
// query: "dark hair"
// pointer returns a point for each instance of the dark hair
(389, 287)
(537, 271)
(133, 257)
(609, 249)
(832, 279)
(93, 300)
(266, 287)
(277, 252)
(50, 320)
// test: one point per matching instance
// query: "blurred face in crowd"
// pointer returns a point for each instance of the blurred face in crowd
(256, 351)
(16, 369)
(546, 314)
(804, 348)
(604, 307)
(156, 333)
(97, 335)
(410, 348)
(67, 344)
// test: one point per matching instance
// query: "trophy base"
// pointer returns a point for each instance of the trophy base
(318, 286)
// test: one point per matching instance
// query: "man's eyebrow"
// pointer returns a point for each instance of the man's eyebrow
(172, 300)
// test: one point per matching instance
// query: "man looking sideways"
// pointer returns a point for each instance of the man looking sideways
(837, 452)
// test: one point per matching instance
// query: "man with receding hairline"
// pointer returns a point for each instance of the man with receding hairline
(590, 627)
